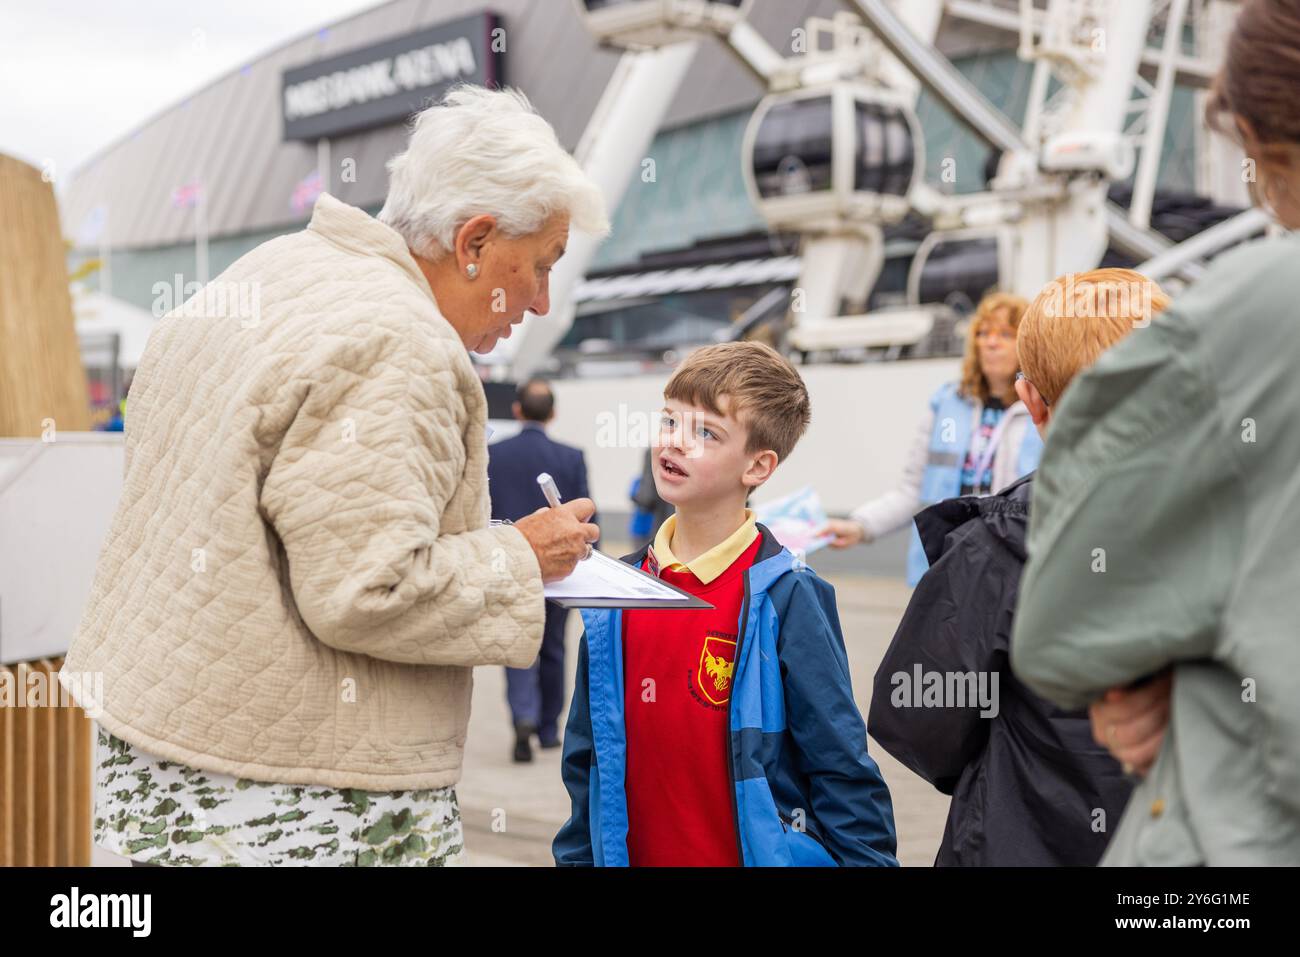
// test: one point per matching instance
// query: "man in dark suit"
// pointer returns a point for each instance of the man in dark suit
(536, 694)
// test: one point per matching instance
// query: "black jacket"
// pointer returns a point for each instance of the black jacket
(1029, 786)
(513, 467)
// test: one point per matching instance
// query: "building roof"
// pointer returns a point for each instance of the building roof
(228, 135)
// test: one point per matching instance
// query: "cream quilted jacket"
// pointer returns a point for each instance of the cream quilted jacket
(300, 573)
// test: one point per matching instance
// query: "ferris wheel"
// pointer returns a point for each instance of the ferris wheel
(834, 152)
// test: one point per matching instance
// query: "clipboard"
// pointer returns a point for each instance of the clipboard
(686, 599)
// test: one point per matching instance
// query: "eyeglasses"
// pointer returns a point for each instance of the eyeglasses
(1021, 377)
(1006, 335)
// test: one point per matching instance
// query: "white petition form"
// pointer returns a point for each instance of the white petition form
(603, 577)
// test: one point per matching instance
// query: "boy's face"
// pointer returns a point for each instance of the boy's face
(699, 457)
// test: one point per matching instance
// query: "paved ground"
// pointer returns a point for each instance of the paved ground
(512, 811)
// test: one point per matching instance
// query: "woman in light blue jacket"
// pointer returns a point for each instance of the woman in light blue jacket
(975, 438)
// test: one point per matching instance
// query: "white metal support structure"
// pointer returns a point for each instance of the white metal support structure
(1195, 71)
(1053, 191)
(842, 245)
(617, 138)
(1231, 231)
(1157, 117)
(937, 74)
(841, 268)
(1209, 23)
(754, 53)
(1124, 23)
(1048, 204)
(1219, 160)
(844, 65)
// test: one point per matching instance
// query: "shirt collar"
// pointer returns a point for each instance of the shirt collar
(712, 563)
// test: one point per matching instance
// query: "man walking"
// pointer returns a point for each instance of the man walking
(535, 694)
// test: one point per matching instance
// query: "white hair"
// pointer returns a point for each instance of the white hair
(485, 151)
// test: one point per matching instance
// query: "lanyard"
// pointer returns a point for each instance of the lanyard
(986, 457)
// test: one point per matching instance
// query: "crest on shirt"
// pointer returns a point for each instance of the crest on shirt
(717, 667)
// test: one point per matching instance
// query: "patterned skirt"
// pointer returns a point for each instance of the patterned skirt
(161, 812)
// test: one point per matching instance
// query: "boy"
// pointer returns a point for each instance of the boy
(726, 736)
(1029, 786)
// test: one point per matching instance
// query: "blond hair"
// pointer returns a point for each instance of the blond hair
(995, 307)
(1076, 318)
(764, 391)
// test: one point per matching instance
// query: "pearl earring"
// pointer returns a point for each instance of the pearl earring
(471, 270)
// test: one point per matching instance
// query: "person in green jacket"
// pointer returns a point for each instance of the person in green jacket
(1165, 538)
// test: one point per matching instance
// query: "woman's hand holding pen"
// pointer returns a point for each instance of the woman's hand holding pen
(559, 536)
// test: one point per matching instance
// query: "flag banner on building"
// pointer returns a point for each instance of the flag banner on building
(187, 195)
(305, 193)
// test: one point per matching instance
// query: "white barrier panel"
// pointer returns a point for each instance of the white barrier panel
(56, 503)
(863, 418)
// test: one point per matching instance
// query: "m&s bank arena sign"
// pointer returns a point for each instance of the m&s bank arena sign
(388, 81)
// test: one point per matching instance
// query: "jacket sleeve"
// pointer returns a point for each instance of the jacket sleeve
(895, 508)
(958, 621)
(357, 492)
(1130, 563)
(572, 845)
(849, 798)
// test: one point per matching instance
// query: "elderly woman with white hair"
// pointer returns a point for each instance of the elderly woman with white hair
(301, 573)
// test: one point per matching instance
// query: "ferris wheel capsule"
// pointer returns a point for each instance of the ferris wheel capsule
(958, 267)
(832, 156)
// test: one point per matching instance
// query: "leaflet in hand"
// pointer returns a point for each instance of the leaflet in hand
(794, 519)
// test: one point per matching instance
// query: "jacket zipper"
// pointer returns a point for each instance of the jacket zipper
(731, 756)
(787, 825)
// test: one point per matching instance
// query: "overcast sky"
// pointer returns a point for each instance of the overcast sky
(76, 75)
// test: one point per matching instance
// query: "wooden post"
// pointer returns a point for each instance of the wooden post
(46, 773)
(42, 380)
